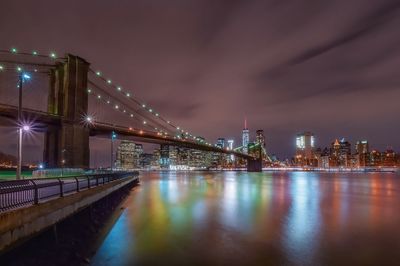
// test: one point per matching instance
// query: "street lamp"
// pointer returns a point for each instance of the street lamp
(22, 78)
(113, 137)
(63, 151)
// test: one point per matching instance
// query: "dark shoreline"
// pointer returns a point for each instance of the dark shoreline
(77, 237)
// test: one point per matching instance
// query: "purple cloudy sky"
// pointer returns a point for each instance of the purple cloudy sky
(330, 67)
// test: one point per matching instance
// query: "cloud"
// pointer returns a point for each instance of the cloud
(288, 66)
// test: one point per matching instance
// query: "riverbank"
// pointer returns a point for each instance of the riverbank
(74, 242)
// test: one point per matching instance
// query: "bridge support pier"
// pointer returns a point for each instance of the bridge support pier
(67, 145)
(254, 165)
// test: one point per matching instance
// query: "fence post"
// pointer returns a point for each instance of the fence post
(35, 193)
(61, 187)
(77, 184)
(88, 182)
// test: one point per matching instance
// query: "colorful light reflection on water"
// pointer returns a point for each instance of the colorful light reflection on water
(238, 218)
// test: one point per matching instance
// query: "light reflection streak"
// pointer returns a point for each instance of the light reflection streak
(220, 213)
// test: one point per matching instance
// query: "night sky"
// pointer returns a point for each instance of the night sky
(330, 67)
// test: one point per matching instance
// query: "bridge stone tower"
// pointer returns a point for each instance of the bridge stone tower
(67, 144)
(255, 165)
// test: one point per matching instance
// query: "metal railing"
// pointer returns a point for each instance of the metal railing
(18, 193)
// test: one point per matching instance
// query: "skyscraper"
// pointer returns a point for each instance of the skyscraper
(260, 138)
(362, 153)
(230, 144)
(304, 148)
(341, 153)
(128, 155)
(164, 156)
(362, 147)
(245, 137)
(221, 143)
(230, 147)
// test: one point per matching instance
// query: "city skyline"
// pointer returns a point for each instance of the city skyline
(311, 145)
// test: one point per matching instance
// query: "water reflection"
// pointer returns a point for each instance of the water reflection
(256, 218)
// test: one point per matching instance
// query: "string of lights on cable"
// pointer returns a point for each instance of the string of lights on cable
(184, 134)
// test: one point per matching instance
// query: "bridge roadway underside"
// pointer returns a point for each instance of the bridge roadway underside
(21, 224)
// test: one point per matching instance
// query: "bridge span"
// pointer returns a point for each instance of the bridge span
(70, 85)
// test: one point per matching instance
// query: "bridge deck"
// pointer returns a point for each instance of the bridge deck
(42, 119)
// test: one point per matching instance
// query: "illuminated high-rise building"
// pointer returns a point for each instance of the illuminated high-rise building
(230, 144)
(164, 156)
(221, 143)
(341, 153)
(305, 143)
(128, 155)
(362, 153)
(362, 147)
(230, 147)
(245, 137)
(260, 138)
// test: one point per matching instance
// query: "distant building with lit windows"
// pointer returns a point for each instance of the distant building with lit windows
(230, 147)
(341, 153)
(221, 143)
(245, 138)
(128, 155)
(260, 138)
(305, 143)
(362, 155)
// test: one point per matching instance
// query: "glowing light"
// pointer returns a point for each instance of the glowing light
(26, 128)
(150, 110)
(89, 119)
(89, 90)
(128, 95)
(109, 81)
(141, 131)
(26, 76)
(119, 88)
(116, 106)
(143, 105)
(178, 128)
(14, 50)
(144, 122)
(53, 55)
(34, 53)
(124, 111)
(168, 122)
(19, 69)
(113, 135)
(130, 129)
(108, 102)
(1, 67)
(98, 73)
(156, 114)
(41, 166)
(35, 70)
(131, 115)
(98, 96)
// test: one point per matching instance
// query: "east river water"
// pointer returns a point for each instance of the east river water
(270, 218)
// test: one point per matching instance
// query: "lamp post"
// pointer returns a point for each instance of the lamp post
(113, 137)
(63, 151)
(22, 78)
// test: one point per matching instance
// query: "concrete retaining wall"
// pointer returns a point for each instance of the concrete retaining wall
(20, 224)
